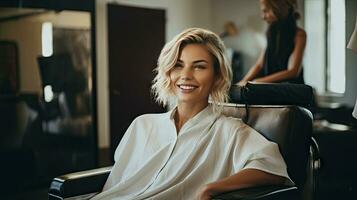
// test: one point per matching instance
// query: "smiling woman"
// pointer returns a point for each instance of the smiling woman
(183, 153)
(173, 51)
(192, 77)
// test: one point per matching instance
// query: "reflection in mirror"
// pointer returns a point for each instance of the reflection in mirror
(46, 117)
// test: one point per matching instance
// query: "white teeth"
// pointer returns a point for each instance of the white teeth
(187, 87)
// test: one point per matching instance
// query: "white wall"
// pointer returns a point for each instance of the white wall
(246, 15)
(27, 35)
(179, 15)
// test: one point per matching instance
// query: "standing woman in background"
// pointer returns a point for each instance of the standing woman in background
(282, 58)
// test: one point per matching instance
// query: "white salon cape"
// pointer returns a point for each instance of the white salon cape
(154, 162)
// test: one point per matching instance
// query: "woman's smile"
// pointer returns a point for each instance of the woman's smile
(186, 88)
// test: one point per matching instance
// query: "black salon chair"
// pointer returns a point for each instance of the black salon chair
(289, 126)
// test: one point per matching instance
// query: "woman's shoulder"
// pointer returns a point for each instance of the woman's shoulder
(300, 32)
(235, 126)
(152, 116)
(231, 122)
(300, 37)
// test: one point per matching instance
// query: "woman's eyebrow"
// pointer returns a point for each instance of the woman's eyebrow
(197, 61)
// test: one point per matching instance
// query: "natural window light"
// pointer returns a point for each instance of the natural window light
(336, 79)
(315, 54)
(47, 41)
(324, 58)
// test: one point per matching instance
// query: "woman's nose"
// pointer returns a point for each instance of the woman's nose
(186, 73)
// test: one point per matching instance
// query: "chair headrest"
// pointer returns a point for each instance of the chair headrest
(272, 94)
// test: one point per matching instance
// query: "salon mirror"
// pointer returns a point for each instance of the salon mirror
(47, 123)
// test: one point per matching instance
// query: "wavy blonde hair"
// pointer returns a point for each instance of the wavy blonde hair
(170, 54)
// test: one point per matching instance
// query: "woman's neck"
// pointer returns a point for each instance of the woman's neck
(185, 112)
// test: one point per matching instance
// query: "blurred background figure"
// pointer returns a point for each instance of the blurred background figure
(234, 56)
(281, 60)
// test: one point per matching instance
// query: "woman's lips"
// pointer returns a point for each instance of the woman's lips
(187, 87)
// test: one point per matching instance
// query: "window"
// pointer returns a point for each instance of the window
(336, 79)
(324, 61)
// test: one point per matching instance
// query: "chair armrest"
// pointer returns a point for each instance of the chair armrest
(82, 183)
(313, 170)
(261, 192)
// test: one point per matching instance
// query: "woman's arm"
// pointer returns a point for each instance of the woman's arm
(295, 60)
(243, 179)
(254, 71)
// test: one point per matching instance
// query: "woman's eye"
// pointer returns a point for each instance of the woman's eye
(178, 65)
(200, 67)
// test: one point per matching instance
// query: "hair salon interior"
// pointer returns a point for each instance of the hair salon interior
(74, 74)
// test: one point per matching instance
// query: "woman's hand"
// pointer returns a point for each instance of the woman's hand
(242, 83)
(257, 80)
(205, 193)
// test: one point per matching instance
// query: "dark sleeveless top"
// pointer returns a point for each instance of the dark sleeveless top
(281, 36)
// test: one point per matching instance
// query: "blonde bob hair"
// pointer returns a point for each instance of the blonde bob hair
(170, 54)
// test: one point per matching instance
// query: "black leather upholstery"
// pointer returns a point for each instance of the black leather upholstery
(288, 126)
(85, 184)
(272, 94)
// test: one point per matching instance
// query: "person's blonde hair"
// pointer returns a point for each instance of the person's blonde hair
(170, 54)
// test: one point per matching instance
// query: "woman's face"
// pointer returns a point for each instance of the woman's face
(267, 13)
(193, 75)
